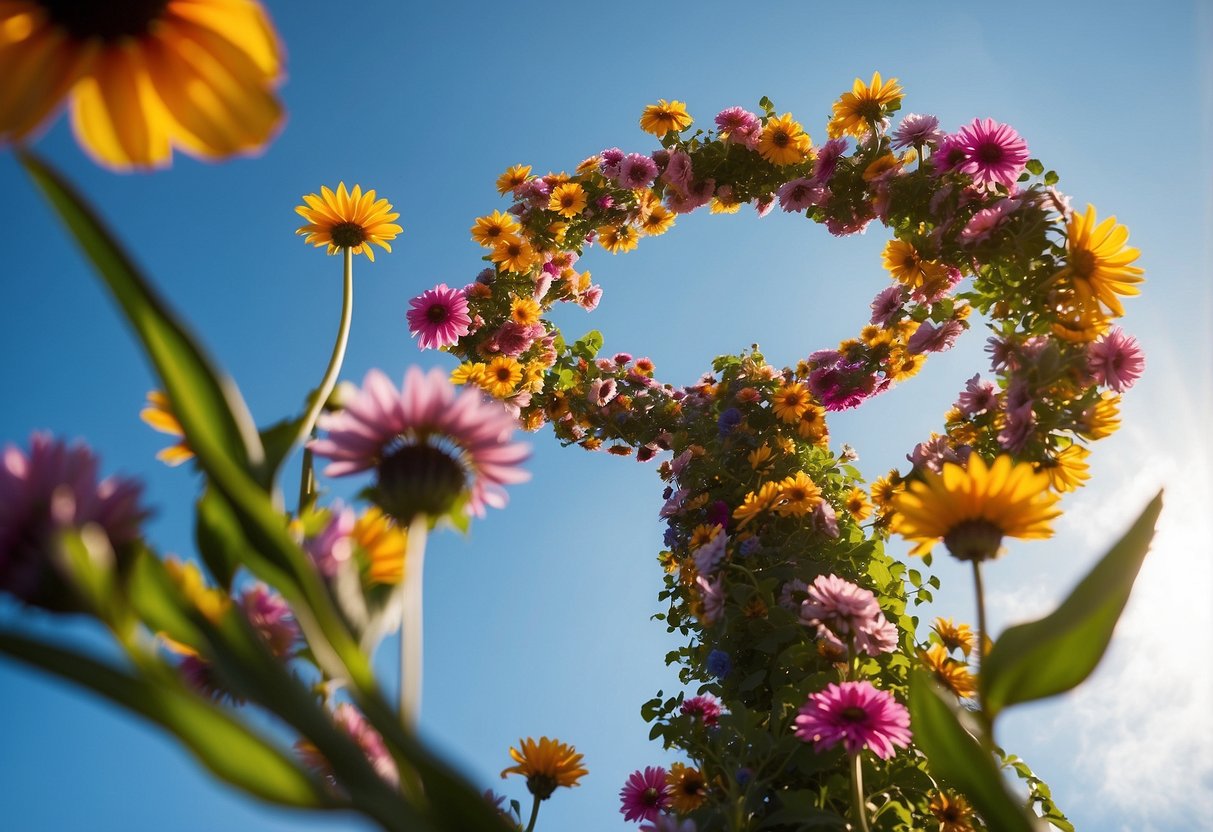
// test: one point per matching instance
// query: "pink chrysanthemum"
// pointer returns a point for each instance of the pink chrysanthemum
(917, 129)
(847, 616)
(644, 796)
(705, 708)
(439, 317)
(51, 489)
(798, 194)
(350, 720)
(678, 171)
(931, 338)
(986, 221)
(994, 153)
(637, 171)
(886, 306)
(857, 715)
(428, 443)
(271, 616)
(978, 397)
(1115, 360)
(739, 126)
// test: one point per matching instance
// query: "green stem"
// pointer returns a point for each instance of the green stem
(982, 630)
(858, 804)
(330, 376)
(534, 814)
(411, 623)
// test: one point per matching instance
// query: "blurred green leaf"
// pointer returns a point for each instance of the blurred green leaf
(1035, 167)
(1050, 656)
(228, 748)
(588, 345)
(210, 410)
(957, 759)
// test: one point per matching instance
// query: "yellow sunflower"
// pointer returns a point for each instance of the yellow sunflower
(568, 199)
(514, 254)
(784, 142)
(972, 507)
(686, 787)
(791, 401)
(659, 221)
(952, 811)
(524, 311)
(855, 111)
(501, 377)
(798, 495)
(1067, 471)
(1101, 419)
(512, 178)
(950, 673)
(857, 504)
(489, 230)
(469, 373)
(546, 765)
(384, 544)
(954, 636)
(143, 78)
(664, 116)
(348, 220)
(726, 204)
(909, 268)
(159, 415)
(618, 238)
(1098, 261)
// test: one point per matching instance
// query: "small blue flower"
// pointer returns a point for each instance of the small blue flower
(671, 538)
(728, 421)
(719, 664)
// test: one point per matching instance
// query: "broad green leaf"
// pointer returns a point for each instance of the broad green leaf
(1050, 656)
(228, 748)
(210, 410)
(957, 759)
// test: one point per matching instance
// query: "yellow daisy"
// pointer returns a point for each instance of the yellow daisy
(882, 164)
(546, 765)
(953, 675)
(659, 221)
(512, 178)
(703, 534)
(524, 311)
(760, 457)
(384, 544)
(1067, 471)
(798, 495)
(855, 111)
(664, 116)
(514, 254)
(972, 507)
(143, 78)
(568, 199)
(954, 636)
(952, 811)
(348, 220)
(784, 142)
(857, 504)
(159, 415)
(812, 425)
(491, 229)
(791, 401)
(686, 787)
(501, 377)
(1101, 419)
(469, 373)
(726, 204)
(618, 238)
(1098, 261)
(909, 268)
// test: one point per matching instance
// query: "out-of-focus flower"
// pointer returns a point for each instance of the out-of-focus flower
(429, 444)
(669, 823)
(865, 104)
(49, 489)
(719, 664)
(972, 507)
(439, 317)
(664, 116)
(351, 720)
(949, 672)
(952, 811)
(159, 415)
(687, 788)
(954, 636)
(384, 543)
(856, 714)
(348, 220)
(546, 765)
(705, 708)
(643, 796)
(270, 616)
(1068, 469)
(143, 78)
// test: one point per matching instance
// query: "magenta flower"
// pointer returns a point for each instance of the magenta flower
(637, 171)
(917, 130)
(845, 615)
(643, 796)
(705, 708)
(931, 338)
(986, 221)
(270, 616)
(827, 160)
(798, 194)
(332, 546)
(994, 153)
(1115, 360)
(428, 444)
(350, 720)
(51, 489)
(609, 160)
(857, 715)
(678, 172)
(739, 126)
(439, 316)
(978, 397)
(886, 306)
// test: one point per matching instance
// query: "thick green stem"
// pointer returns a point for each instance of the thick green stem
(534, 814)
(982, 631)
(330, 376)
(859, 806)
(410, 624)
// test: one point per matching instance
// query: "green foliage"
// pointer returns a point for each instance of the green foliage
(1050, 656)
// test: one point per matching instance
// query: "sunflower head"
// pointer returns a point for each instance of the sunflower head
(866, 104)
(350, 220)
(546, 765)
(972, 507)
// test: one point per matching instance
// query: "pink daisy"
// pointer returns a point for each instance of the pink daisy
(350, 720)
(637, 171)
(705, 708)
(857, 715)
(439, 316)
(679, 172)
(428, 443)
(270, 616)
(847, 614)
(986, 221)
(978, 397)
(994, 153)
(50, 489)
(644, 796)
(739, 126)
(798, 194)
(931, 338)
(886, 306)
(917, 129)
(1115, 360)
(827, 160)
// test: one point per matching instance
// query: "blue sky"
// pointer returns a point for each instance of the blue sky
(537, 623)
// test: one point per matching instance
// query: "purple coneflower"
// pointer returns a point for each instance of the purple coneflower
(1115, 360)
(428, 443)
(644, 796)
(994, 153)
(439, 316)
(857, 715)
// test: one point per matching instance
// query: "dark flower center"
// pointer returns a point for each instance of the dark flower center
(780, 138)
(974, 540)
(989, 153)
(86, 19)
(870, 110)
(853, 714)
(541, 785)
(651, 797)
(348, 235)
(437, 313)
(1082, 262)
(419, 479)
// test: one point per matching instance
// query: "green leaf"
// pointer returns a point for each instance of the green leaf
(1051, 178)
(1035, 167)
(227, 747)
(279, 440)
(588, 345)
(957, 759)
(217, 535)
(1050, 656)
(208, 406)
